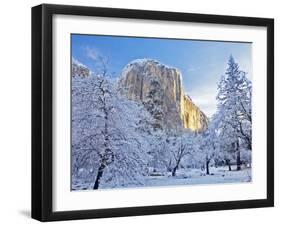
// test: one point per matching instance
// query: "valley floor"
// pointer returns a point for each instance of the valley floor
(184, 177)
(196, 176)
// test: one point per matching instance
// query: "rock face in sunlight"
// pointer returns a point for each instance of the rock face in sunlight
(147, 80)
(192, 117)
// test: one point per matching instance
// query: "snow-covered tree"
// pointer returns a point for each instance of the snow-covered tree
(130, 146)
(160, 151)
(106, 132)
(245, 112)
(209, 144)
(234, 111)
(181, 144)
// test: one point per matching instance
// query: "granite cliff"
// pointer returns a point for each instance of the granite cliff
(153, 83)
(79, 70)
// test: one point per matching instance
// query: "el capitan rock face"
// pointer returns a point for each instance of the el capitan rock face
(156, 84)
(192, 117)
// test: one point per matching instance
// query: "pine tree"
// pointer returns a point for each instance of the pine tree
(234, 111)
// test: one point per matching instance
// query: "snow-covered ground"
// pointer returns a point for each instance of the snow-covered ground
(196, 176)
(185, 177)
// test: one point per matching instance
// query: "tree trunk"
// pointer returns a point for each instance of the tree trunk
(228, 163)
(107, 150)
(229, 167)
(99, 176)
(174, 171)
(238, 160)
(207, 167)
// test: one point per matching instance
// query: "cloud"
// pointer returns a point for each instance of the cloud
(93, 53)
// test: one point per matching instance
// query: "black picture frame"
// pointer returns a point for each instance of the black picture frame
(42, 103)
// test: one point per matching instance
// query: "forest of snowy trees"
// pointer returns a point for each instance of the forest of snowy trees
(117, 142)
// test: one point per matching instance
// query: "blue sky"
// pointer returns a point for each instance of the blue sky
(201, 62)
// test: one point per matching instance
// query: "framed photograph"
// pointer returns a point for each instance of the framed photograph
(145, 112)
